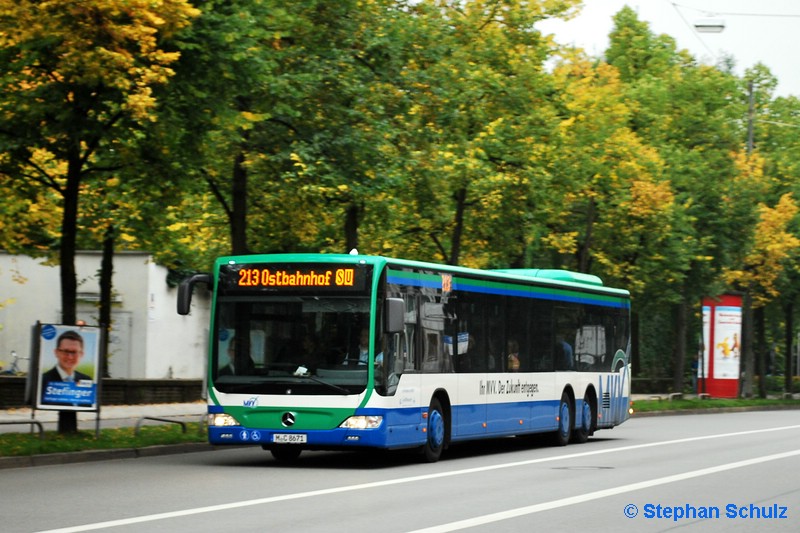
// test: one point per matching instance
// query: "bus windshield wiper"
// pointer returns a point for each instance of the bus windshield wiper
(327, 384)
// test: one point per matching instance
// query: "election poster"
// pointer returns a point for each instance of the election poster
(68, 363)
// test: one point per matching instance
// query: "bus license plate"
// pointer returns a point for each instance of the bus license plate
(289, 438)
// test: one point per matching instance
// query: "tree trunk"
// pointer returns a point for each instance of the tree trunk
(679, 353)
(583, 253)
(238, 215)
(351, 220)
(636, 363)
(68, 420)
(458, 230)
(69, 235)
(760, 350)
(106, 286)
(788, 314)
(747, 346)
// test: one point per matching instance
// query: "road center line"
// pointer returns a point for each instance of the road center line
(426, 477)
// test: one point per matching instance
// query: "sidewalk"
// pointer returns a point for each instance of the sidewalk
(131, 415)
(110, 416)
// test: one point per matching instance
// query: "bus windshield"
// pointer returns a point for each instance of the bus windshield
(282, 344)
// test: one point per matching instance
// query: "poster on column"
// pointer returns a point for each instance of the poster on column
(68, 359)
(727, 341)
(703, 371)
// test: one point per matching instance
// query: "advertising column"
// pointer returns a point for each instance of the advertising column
(722, 336)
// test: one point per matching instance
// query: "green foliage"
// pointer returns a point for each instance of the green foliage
(76, 84)
(447, 131)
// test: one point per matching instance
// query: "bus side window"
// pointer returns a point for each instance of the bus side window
(541, 326)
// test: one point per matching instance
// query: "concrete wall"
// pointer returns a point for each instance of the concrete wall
(147, 340)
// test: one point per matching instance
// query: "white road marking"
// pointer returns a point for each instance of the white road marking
(475, 521)
(555, 504)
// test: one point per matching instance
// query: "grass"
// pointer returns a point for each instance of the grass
(22, 444)
(644, 406)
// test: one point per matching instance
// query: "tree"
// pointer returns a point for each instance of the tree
(470, 140)
(274, 102)
(779, 142)
(774, 248)
(77, 78)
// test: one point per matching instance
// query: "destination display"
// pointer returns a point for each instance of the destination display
(293, 277)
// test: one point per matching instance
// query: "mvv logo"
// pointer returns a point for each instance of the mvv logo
(251, 402)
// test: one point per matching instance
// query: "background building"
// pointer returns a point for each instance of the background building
(148, 339)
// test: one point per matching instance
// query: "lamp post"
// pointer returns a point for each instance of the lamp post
(717, 25)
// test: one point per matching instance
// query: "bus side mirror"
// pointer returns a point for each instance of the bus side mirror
(185, 290)
(395, 313)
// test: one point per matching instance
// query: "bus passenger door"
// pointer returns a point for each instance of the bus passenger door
(470, 413)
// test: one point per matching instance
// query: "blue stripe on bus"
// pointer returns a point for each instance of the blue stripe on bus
(432, 284)
(612, 302)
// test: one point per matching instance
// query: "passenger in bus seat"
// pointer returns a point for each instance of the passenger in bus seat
(311, 355)
(240, 362)
(474, 359)
(464, 360)
(360, 356)
(494, 359)
(512, 359)
(564, 352)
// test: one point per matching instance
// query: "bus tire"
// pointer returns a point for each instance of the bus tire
(286, 453)
(586, 421)
(564, 431)
(436, 431)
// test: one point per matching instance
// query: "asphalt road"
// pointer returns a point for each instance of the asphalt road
(710, 472)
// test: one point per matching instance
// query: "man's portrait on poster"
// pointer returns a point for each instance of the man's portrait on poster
(70, 355)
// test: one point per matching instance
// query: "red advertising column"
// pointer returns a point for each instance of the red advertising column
(718, 372)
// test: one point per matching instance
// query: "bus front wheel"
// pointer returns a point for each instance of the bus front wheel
(434, 444)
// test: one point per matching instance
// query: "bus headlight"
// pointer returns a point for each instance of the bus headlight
(362, 422)
(222, 419)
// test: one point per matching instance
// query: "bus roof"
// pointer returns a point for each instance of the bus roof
(555, 274)
(546, 276)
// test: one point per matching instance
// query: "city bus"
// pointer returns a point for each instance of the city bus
(341, 352)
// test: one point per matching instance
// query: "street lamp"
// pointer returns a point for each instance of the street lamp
(709, 25)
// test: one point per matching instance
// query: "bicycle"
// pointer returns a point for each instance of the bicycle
(14, 369)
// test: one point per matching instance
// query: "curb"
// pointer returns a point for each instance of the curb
(88, 456)
(713, 410)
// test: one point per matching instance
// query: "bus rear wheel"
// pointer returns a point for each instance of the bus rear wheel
(564, 431)
(586, 421)
(437, 424)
